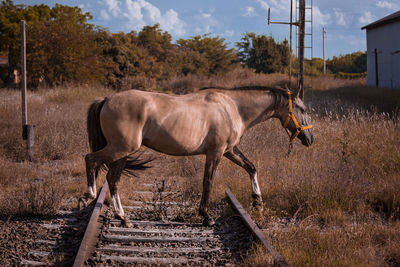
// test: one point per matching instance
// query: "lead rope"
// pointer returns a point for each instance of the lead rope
(290, 144)
(289, 150)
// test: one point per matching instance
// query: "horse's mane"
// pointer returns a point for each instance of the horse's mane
(280, 94)
(274, 89)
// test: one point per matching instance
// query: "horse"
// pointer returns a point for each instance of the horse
(210, 121)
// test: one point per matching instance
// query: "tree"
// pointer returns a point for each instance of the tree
(349, 63)
(10, 17)
(206, 55)
(263, 54)
(125, 58)
(63, 48)
(61, 44)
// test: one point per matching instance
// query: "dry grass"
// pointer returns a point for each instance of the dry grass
(336, 203)
(60, 143)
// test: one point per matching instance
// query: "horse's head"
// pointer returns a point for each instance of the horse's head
(296, 120)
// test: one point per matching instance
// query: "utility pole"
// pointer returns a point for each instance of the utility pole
(302, 28)
(323, 48)
(290, 23)
(300, 23)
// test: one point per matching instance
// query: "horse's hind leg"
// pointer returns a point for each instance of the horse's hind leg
(237, 157)
(212, 161)
(113, 177)
(92, 170)
(94, 161)
(93, 164)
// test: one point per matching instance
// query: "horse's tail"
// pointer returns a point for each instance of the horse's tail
(97, 140)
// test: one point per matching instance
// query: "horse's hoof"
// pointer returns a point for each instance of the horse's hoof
(82, 203)
(88, 196)
(258, 203)
(208, 221)
(126, 223)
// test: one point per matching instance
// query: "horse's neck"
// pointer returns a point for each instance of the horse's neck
(254, 106)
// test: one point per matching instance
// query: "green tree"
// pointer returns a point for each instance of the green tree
(61, 44)
(349, 63)
(263, 54)
(206, 55)
(159, 47)
(63, 48)
(125, 58)
(10, 17)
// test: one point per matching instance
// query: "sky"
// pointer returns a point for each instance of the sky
(230, 19)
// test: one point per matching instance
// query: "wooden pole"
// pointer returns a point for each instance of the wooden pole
(27, 130)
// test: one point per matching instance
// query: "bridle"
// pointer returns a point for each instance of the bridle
(293, 118)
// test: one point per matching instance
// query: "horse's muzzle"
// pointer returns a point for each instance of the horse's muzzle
(307, 138)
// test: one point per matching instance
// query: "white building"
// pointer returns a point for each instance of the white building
(383, 52)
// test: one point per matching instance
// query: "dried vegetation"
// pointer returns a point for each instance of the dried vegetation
(336, 203)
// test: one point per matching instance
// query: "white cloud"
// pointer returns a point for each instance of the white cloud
(229, 33)
(171, 22)
(387, 5)
(320, 19)
(340, 17)
(206, 15)
(263, 4)
(276, 5)
(140, 13)
(113, 7)
(249, 11)
(206, 23)
(367, 17)
(104, 15)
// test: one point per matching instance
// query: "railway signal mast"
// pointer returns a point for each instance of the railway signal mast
(300, 22)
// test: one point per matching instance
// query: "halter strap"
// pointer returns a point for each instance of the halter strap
(293, 118)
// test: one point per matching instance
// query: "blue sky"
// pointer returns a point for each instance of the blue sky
(231, 18)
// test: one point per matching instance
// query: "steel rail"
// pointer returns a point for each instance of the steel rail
(279, 260)
(92, 229)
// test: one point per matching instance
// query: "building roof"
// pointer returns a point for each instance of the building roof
(386, 20)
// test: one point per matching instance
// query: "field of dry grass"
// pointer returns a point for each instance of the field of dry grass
(335, 203)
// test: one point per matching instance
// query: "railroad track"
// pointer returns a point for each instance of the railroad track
(156, 238)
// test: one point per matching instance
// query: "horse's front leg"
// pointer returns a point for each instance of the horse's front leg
(113, 177)
(212, 161)
(237, 157)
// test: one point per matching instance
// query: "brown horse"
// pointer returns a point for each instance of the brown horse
(210, 121)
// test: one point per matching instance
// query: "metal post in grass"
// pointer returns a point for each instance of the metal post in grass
(27, 130)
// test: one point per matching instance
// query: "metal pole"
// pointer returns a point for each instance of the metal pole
(23, 82)
(323, 47)
(27, 130)
(302, 18)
